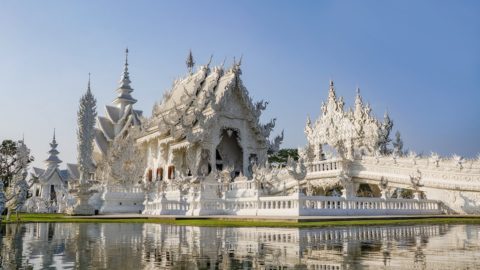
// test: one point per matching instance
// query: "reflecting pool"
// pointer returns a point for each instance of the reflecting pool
(156, 246)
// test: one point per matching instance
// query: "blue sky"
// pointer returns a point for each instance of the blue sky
(420, 60)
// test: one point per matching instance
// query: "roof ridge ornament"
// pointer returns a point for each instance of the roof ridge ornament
(223, 63)
(126, 56)
(190, 62)
(236, 65)
(210, 61)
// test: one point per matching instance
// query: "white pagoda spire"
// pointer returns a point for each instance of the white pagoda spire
(53, 160)
(124, 90)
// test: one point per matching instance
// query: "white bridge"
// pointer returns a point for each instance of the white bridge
(454, 182)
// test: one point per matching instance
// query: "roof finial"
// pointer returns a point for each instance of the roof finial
(54, 134)
(223, 63)
(236, 65)
(88, 85)
(126, 56)
(331, 90)
(210, 61)
(190, 62)
(386, 114)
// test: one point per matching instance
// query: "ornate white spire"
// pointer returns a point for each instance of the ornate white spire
(53, 160)
(86, 132)
(124, 90)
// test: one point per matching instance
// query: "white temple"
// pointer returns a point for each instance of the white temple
(204, 151)
(50, 192)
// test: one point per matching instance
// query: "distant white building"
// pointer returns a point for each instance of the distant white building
(52, 187)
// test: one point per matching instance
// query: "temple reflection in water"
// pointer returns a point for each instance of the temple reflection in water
(156, 246)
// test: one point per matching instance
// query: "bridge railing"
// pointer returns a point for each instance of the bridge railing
(123, 189)
(248, 184)
(301, 205)
(325, 205)
(163, 206)
(325, 165)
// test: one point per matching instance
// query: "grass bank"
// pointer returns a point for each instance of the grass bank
(60, 218)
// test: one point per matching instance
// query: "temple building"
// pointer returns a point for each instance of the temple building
(206, 122)
(52, 185)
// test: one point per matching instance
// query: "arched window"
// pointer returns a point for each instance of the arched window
(171, 172)
(159, 175)
(149, 175)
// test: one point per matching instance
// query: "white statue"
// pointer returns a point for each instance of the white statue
(19, 194)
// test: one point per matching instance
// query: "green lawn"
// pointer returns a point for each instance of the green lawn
(28, 218)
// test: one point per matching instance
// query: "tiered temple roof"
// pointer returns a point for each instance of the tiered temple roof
(191, 104)
(120, 115)
(52, 165)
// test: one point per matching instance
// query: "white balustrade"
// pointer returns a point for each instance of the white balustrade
(122, 189)
(164, 206)
(300, 205)
(120, 199)
(325, 165)
(323, 205)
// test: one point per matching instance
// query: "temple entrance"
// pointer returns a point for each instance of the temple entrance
(53, 195)
(229, 153)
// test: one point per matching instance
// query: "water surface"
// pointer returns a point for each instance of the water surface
(157, 246)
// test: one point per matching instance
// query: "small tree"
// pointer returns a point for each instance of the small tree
(398, 144)
(10, 161)
(384, 139)
(14, 160)
(282, 155)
